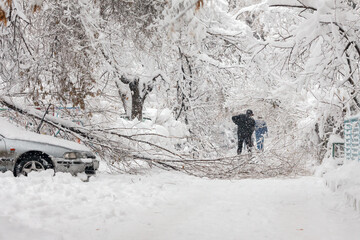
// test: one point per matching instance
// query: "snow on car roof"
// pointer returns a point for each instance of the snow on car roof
(11, 131)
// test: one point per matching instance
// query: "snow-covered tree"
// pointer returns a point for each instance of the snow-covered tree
(293, 62)
(309, 58)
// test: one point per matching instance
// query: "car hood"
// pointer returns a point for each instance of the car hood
(11, 131)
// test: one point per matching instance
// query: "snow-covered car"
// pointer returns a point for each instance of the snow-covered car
(23, 151)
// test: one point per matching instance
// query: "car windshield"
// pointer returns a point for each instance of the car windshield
(11, 131)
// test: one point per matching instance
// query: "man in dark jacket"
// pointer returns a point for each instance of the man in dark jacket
(246, 127)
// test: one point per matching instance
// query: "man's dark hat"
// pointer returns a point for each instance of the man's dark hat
(249, 112)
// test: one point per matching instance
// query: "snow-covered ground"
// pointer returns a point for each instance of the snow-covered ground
(170, 205)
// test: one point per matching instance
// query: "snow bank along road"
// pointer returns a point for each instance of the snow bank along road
(167, 205)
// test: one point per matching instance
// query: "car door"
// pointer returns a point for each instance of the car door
(3, 154)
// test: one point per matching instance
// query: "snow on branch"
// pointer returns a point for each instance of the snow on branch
(302, 4)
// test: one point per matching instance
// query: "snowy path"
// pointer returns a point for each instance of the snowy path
(172, 206)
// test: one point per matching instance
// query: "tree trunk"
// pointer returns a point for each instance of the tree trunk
(136, 100)
(184, 89)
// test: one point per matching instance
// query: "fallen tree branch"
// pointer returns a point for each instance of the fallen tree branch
(123, 158)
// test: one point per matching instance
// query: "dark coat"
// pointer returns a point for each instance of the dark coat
(245, 123)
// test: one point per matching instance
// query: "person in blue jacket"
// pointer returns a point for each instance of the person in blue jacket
(260, 130)
(246, 127)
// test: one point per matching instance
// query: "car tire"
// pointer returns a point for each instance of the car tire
(30, 164)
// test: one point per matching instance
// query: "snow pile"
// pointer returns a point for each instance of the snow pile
(346, 179)
(158, 128)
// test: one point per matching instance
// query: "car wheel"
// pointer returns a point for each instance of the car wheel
(31, 164)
